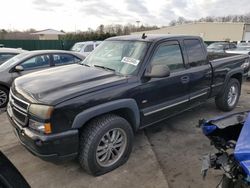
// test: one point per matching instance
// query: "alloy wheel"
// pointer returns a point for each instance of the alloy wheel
(111, 147)
(232, 95)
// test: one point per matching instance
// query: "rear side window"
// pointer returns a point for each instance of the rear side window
(232, 46)
(196, 56)
(89, 48)
(170, 55)
(226, 47)
(62, 59)
(40, 61)
(5, 56)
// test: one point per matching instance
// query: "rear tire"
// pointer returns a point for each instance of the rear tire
(230, 96)
(4, 97)
(105, 144)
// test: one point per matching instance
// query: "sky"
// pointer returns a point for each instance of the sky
(73, 15)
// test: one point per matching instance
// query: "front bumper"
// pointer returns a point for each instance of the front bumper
(54, 148)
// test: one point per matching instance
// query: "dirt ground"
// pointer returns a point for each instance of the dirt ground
(179, 145)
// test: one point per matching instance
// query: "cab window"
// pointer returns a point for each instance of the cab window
(170, 55)
(195, 53)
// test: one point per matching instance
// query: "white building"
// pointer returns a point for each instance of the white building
(48, 34)
(209, 31)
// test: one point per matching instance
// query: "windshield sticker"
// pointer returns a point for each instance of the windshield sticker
(130, 60)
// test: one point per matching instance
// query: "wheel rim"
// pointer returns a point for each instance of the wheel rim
(3, 97)
(232, 95)
(111, 147)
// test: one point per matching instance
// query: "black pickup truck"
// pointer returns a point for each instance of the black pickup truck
(92, 110)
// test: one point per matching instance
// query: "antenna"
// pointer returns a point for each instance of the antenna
(144, 36)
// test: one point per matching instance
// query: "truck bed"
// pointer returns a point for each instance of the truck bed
(214, 56)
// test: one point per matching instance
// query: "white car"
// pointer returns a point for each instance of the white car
(86, 47)
(242, 48)
(239, 50)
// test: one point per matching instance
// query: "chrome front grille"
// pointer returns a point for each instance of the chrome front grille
(19, 109)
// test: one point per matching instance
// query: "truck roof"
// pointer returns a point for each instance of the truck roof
(150, 37)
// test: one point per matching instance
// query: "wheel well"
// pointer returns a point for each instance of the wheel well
(237, 76)
(4, 86)
(125, 113)
(128, 115)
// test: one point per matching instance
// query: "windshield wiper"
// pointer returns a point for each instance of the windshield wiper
(106, 68)
(86, 65)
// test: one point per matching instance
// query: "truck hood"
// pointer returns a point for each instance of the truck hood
(56, 85)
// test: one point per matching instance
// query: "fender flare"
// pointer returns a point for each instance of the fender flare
(229, 76)
(95, 111)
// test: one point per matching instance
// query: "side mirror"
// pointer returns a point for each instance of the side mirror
(158, 71)
(19, 68)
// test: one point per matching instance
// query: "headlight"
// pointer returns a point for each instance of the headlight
(40, 127)
(246, 64)
(41, 111)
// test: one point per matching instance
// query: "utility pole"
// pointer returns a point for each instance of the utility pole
(138, 23)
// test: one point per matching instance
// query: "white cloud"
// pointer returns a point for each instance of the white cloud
(82, 14)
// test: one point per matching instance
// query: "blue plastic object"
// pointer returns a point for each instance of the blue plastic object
(208, 128)
(242, 149)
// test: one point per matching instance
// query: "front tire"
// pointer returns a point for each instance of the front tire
(105, 144)
(230, 96)
(4, 97)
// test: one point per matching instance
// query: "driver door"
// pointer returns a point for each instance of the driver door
(163, 97)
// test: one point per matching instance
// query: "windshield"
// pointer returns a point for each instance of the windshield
(77, 47)
(122, 57)
(12, 61)
(218, 46)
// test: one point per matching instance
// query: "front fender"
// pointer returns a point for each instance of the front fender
(129, 104)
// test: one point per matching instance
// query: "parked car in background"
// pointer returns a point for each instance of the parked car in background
(220, 47)
(32, 61)
(243, 44)
(7, 53)
(242, 48)
(86, 47)
(91, 110)
(239, 50)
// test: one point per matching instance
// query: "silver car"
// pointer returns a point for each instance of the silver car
(32, 61)
(7, 53)
(86, 47)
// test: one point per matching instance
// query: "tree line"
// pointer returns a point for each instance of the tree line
(230, 18)
(100, 33)
(105, 31)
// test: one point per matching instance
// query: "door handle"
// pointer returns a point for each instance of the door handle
(185, 79)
